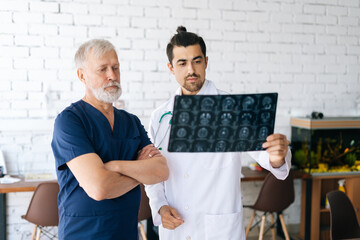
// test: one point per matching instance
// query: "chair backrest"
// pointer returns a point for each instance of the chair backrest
(275, 195)
(144, 211)
(343, 221)
(43, 207)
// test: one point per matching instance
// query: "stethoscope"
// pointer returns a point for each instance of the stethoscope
(167, 130)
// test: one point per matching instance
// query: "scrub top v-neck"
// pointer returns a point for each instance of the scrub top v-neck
(82, 129)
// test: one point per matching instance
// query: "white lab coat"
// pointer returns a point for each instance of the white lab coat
(203, 187)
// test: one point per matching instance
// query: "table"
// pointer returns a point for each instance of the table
(21, 186)
(315, 218)
(251, 175)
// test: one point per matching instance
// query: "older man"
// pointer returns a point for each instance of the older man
(102, 154)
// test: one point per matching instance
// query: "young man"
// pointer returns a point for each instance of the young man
(102, 154)
(202, 197)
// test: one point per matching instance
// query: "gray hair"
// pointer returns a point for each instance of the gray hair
(98, 46)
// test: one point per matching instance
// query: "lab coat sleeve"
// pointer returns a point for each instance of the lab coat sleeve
(155, 192)
(157, 199)
(262, 157)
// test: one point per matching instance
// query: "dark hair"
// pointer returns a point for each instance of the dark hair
(183, 39)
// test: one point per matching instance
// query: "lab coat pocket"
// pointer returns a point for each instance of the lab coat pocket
(224, 226)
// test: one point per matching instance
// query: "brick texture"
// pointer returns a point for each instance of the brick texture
(307, 51)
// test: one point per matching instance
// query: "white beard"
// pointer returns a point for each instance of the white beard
(107, 96)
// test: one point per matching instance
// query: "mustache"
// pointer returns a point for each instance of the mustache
(192, 75)
(116, 84)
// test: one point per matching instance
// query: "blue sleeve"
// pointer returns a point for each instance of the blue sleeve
(145, 140)
(69, 139)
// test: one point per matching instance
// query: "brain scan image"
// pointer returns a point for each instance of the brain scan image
(201, 146)
(226, 118)
(207, 104)
(220, 146)
(181, 132)
(244, 133)
(179, 146)
(263, 133)
(205, 118)
(202, 132)
(228, 104)
(185, 103)
(223, 132)
(265, 116)
(241, 146)
(248, 103)
(184, 118)
(247, 118)
(222, 123)
(266, 103)
(258, 146)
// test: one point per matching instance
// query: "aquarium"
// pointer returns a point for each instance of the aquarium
(326, 145)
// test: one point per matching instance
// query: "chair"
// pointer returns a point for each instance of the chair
(343, 221)
(275, 196)
(43, 209)
(144, 212)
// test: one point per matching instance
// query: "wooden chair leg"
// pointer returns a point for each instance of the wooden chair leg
(38, 234)
(250, 223)
(34, 233)
(284, 227)
(273, 232)
(261, 234)
(142, 232)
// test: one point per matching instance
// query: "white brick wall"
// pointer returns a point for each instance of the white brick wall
(296, 48)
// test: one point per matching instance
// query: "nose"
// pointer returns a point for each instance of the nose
(111, 75)
(190, 68)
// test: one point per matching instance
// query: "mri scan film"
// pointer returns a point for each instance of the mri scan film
(222, 123)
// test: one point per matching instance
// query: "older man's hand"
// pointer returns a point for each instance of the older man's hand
(277, 146)
(148, 151)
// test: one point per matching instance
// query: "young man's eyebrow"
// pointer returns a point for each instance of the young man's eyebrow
(195, 58)
(181, 60)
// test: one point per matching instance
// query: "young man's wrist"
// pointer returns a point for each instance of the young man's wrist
(162, 209)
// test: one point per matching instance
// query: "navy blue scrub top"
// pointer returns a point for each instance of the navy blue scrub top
(82, 129)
